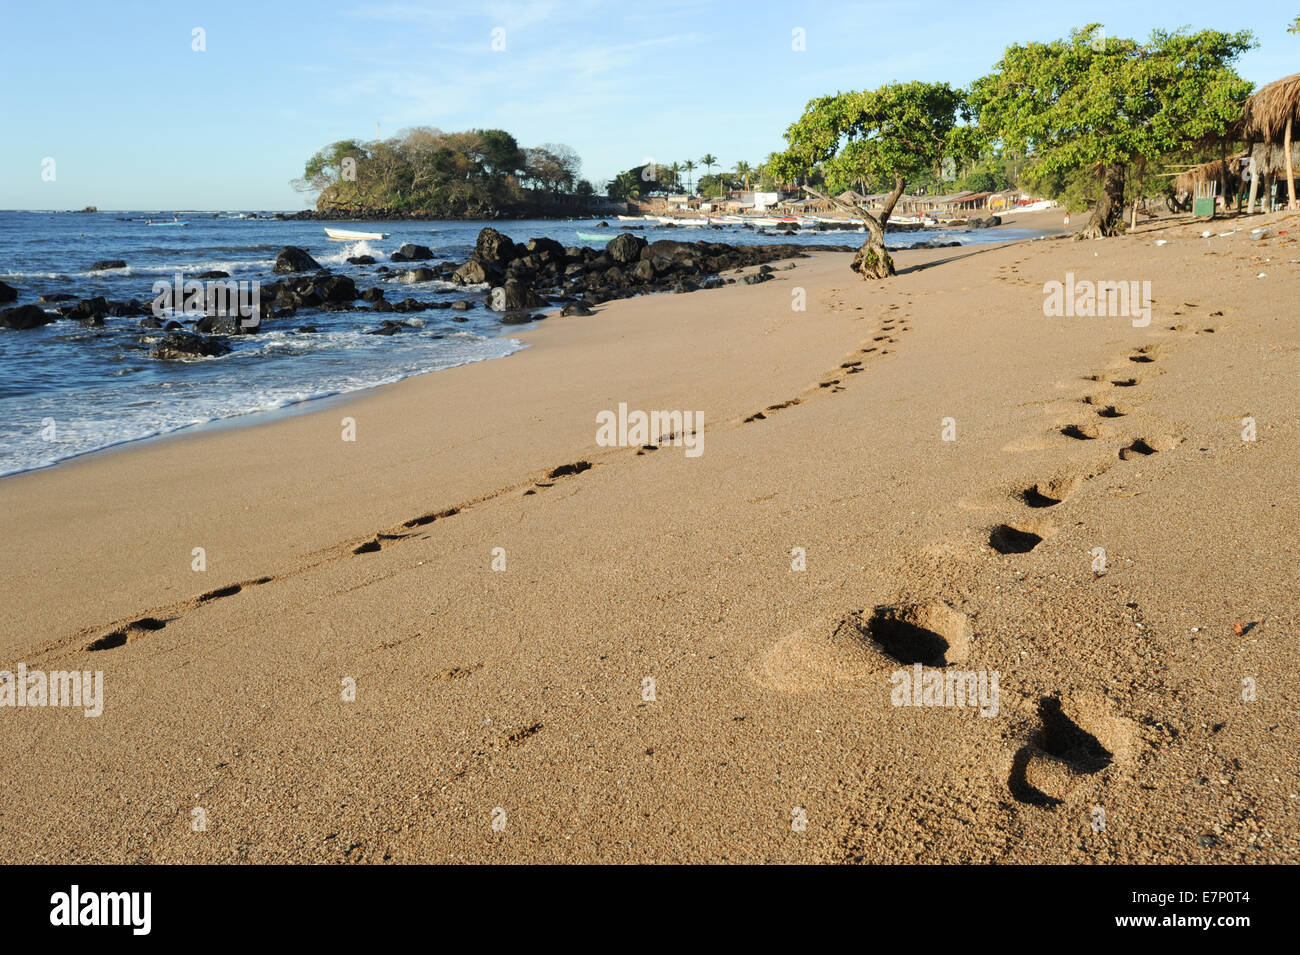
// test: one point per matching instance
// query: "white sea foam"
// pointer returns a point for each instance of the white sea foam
(94, 418)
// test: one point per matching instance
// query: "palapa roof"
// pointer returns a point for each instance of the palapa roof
(1267, 111)
(1212, 171)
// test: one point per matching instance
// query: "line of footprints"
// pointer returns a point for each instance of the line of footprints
(1070, 737)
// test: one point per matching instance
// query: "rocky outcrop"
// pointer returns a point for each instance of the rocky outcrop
(7, 294)
(477, 271)
(517, 297)
(185, 347)
(626, 248)
(412, 253)
(105, 264)
(496, 248)
(25, 316)
(293, 259)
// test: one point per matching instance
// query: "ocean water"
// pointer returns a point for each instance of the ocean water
(67, 388)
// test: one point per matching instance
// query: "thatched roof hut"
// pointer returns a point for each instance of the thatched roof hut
(1227, 170)
(1269, 159)
(1265, 114)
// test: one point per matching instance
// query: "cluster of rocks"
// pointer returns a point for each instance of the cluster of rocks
(522, 278)
(934, 244)
(628, 265)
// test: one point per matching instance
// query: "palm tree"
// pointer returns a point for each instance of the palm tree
(689, 166)
(626, 186)
(708, 161)
(675, 169)
(743, 169)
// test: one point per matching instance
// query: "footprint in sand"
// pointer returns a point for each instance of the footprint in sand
(1021, 539)
(119, 637)
(1145, 447)
(1076, 737)
(1050, 493)
(855, 647)
(1081, 432)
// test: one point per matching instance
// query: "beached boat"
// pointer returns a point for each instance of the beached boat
(589, 237)
(347, 235)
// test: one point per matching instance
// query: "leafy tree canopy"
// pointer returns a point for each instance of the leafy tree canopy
(1100, 103)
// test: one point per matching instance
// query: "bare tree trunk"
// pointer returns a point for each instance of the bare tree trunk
(873, 260)
(1108, 214)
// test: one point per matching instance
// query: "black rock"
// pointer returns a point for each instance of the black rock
(388, 328)
(89, 310)
(373, 295)
(477, 271)
(361, 260)
(546, 247)
(412, 253)
(214, 274)
(7, 293)
(625, 247)
(182, 347)
(519, 296)
(576, 308)
(25, 316)
(104, 264)
(492, 246)
(462, 305)
(293, 259)
(337, 289)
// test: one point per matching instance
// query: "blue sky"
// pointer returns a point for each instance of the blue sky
(134, 118)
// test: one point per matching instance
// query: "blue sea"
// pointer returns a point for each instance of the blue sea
(68, 388)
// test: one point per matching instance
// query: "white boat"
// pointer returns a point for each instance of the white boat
(631, 218)
(346, 235)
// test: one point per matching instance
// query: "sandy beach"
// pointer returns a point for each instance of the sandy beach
(673, 658)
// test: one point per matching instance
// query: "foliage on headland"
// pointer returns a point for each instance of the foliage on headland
(476, 174)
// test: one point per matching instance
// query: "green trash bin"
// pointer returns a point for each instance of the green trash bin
(1203, 206)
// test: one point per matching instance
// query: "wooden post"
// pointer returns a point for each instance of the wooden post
(1254, 183)
(1290, 173)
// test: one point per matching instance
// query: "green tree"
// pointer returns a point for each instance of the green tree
(475, 173)
(1111, 106)
(890, 134)
(689, 166)
(626, 185)
(708, 161)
